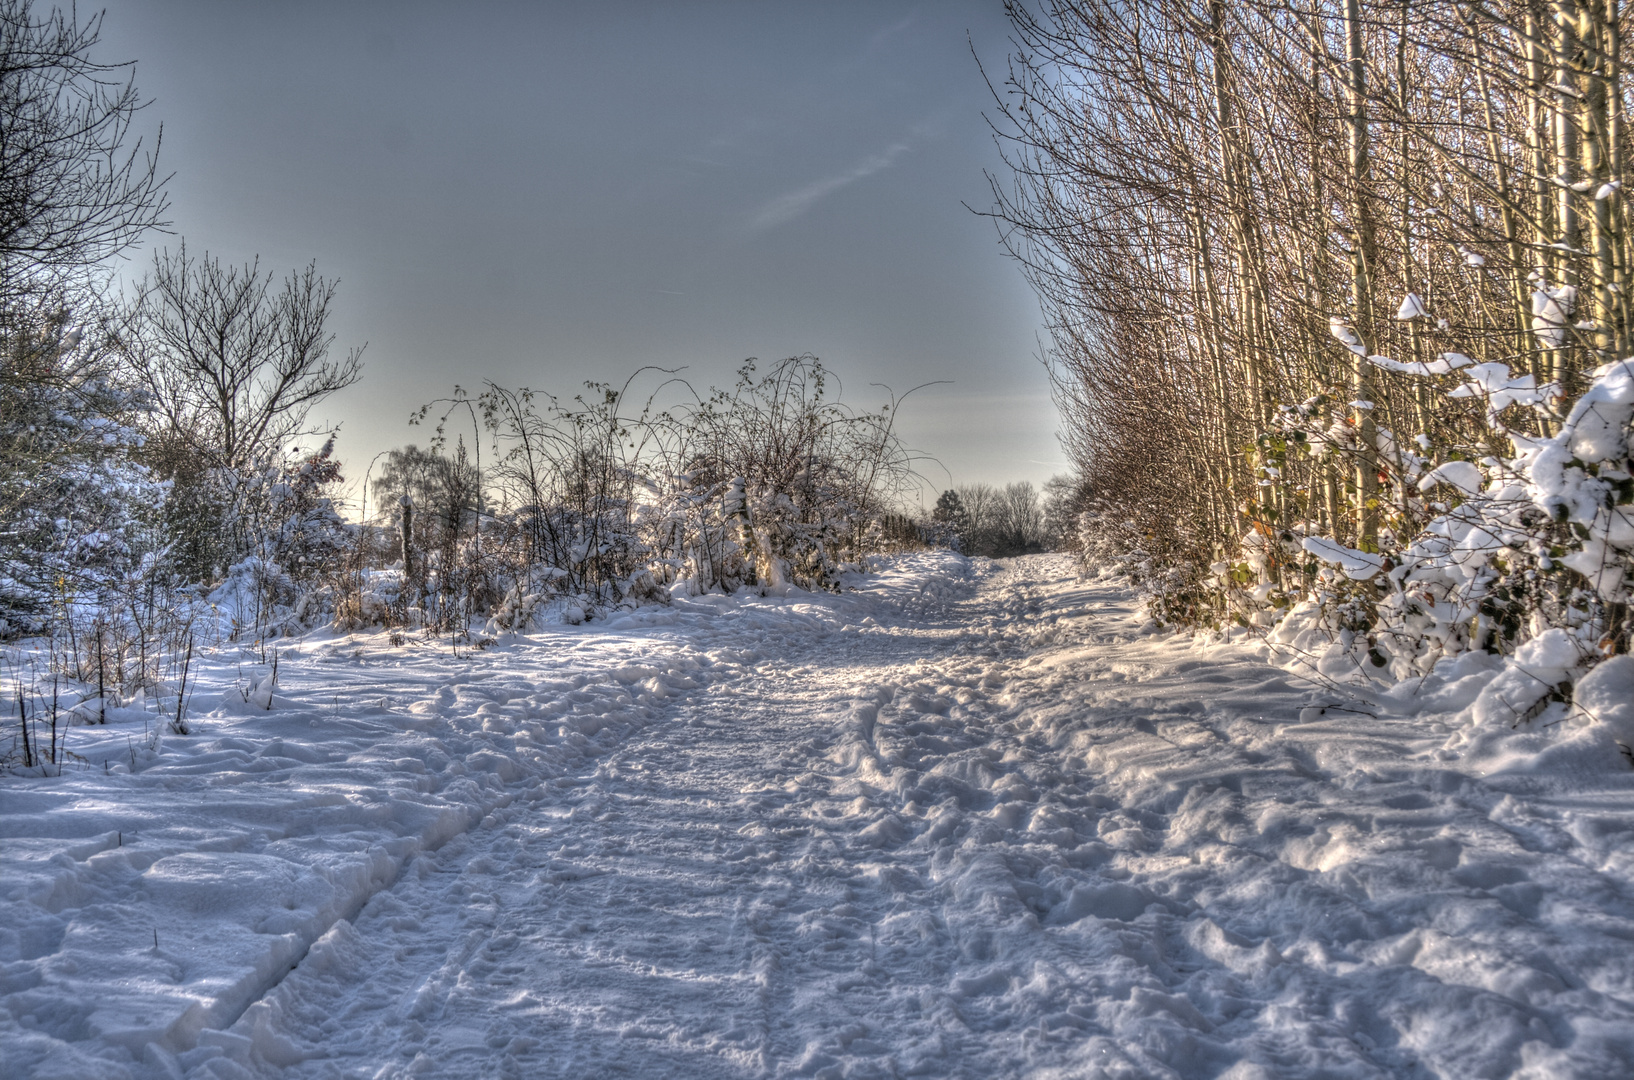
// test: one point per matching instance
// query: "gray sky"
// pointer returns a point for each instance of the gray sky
(540, 194)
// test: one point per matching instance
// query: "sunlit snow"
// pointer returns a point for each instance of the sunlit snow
(970, 820)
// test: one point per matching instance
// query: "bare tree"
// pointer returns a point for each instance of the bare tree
(1021, 519)
(233, 367)
(1000, 522)
(981, 509)
(74, 187)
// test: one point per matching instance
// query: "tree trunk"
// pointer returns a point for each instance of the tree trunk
(1361, 265)
(410, 575)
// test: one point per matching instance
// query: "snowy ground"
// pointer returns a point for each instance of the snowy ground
(970, 821)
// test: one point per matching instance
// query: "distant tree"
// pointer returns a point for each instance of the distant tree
(980, 502)
(436, 500)
(950, 512)
(446, 491)
(1065, 497)
(1001, 521)
(901, 532)
(1020, 520)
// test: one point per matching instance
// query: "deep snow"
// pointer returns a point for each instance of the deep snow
(970, 820)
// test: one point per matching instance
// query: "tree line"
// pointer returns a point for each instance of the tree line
(1016, 519)
(1301, 263)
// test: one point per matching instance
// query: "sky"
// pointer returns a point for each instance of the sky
(543, 194)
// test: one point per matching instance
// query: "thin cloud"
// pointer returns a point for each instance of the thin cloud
(786, 208)
(880, 37)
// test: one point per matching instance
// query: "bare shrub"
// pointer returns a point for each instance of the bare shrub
(610, 499)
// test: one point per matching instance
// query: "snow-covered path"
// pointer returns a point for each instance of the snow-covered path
(967, 823)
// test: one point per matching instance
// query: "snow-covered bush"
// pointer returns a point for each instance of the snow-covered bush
(607, 500)
(1525, 557)
(1178, 591)
(805, 478)
(289, 541)
(76, 512)
(1535, 544)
